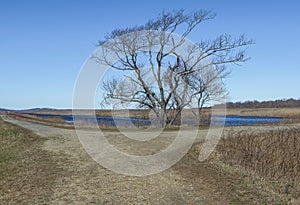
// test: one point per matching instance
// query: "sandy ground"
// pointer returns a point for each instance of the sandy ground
(188, 182)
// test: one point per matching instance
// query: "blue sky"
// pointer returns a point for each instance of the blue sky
(43, 44)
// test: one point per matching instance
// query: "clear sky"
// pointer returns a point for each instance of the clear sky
(43, 44)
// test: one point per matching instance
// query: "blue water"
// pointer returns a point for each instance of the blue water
(245, 120)
(107, 120)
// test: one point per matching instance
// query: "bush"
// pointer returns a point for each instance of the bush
(273, 154)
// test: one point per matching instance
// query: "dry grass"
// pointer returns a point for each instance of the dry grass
(272, 154)
(27, 172)
(52, 121)
(35, 176)
(290, 113)
(122, 113)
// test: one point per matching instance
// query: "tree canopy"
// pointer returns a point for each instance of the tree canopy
(163, 71)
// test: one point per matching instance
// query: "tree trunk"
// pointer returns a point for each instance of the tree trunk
(177, 118)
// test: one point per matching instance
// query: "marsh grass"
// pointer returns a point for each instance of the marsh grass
(287, 113)
(272, 154)
(52, 121)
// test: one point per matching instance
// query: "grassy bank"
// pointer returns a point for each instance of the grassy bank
(27, 172)
(52, 121)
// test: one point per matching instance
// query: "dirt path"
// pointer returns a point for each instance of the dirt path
(188, 182)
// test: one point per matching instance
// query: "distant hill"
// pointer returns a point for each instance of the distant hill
(4, 110)
(32, 110)
(285, 103)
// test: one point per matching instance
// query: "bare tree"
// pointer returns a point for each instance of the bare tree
(156, 74)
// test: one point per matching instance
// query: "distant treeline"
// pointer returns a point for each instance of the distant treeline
(289, 103)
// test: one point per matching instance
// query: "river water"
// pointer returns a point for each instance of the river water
(108, 120)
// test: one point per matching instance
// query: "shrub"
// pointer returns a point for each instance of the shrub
(273, 154)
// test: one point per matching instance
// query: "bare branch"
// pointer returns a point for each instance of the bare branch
(169, 81)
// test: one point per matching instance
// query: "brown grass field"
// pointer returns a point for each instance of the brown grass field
(251, 165)
(291, 113)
